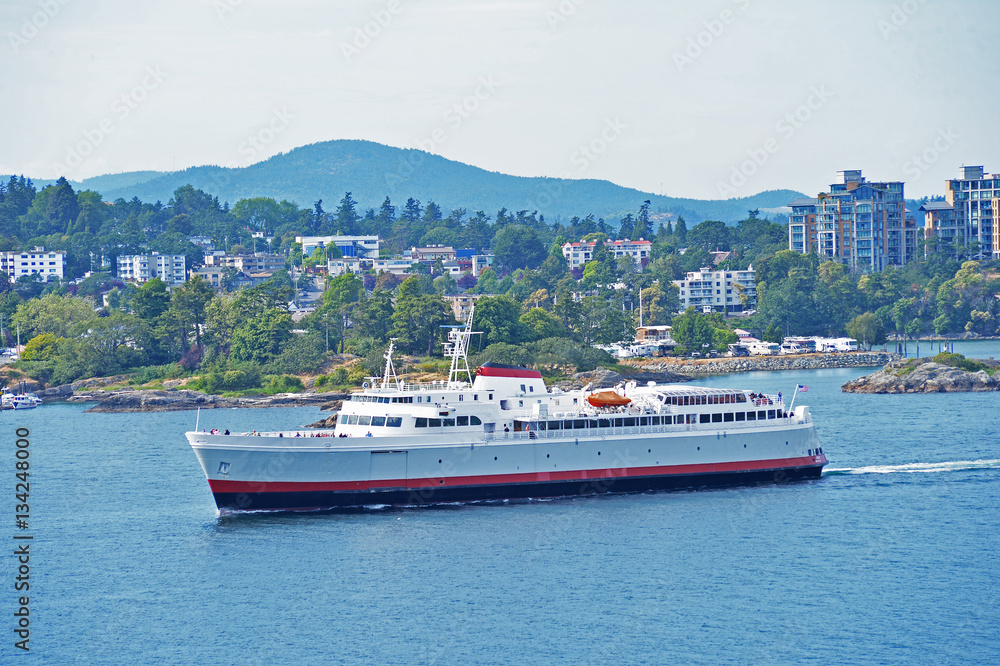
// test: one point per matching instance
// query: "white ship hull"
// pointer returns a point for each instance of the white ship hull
(248, 473)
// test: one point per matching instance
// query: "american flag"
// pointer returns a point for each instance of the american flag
(802, 387)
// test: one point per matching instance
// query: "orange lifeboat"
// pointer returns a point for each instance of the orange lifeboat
(607, 399)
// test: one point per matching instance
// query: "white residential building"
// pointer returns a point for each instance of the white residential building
(141, 268)
(337, 267)
(47, 264)
(718, 290)
(394, 265)
(578, 254)
(248, 263)
(361, 247)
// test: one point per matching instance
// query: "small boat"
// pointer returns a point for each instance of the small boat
(11, 400)
(608, 399)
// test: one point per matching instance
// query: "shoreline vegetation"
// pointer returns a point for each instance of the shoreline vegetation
(113, 398)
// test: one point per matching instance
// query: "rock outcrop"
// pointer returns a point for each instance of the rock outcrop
(721, 366)
(171, 400)
(921, 377)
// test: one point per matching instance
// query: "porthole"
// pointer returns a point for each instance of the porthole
(494, 457)
(598, 453)
(649, 450)
(546, 455)
(744, 446)
(439, 460)
(699, 448)
(441, 481)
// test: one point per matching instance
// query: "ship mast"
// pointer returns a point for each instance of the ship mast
(390, 370)
(457, 348)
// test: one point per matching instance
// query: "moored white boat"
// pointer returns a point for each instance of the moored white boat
(11, 400)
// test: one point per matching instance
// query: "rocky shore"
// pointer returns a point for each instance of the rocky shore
(660, 370)
(921, 376)
(175, 399)
(718, 366)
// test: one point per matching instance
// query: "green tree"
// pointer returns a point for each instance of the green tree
(258, 213)
(417, 322)
(347, 215)
(517, 246)
(692, 330)
(261, 338)
(498, 317)
(114, 343)
(189, 303)
(62, 316)
(537, 324)
(40, 348)
(867, 329)
(151, 300)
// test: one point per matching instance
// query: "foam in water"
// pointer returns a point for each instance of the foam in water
(919, 468)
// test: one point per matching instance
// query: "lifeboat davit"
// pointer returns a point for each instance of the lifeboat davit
(607, 399)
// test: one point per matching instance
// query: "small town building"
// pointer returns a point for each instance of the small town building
(47, 264)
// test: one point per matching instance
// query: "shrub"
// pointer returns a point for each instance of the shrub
(959, 361)
(243, 377)
(283, 384)
(152, 373)
(40, 348)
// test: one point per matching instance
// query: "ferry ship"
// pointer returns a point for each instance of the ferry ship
(503, 435)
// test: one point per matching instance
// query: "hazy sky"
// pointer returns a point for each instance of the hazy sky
(702, 99)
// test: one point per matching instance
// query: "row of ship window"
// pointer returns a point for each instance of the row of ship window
(723, 399)
(628, 422)
(376, 421)
(377, 398)
(408, 399)
(458, 421)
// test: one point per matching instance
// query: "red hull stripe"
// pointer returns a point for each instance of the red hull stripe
(509, 372)
(225, 486)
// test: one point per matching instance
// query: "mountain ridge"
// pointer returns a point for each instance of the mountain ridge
(372, 171)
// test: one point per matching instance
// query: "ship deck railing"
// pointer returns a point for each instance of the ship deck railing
(436, 385)
(576, 433)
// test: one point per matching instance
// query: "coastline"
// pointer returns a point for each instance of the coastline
(665, 369)
(704, 367)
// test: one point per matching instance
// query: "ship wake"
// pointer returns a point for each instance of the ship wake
(917, 468)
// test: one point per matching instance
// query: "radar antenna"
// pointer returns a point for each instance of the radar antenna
(457, 348)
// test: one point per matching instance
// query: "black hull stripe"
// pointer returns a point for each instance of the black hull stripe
(333, 500)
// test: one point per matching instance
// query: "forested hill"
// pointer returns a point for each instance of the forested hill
(372, 171)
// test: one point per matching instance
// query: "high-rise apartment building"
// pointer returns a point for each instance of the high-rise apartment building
(975, 198)
(859, 223)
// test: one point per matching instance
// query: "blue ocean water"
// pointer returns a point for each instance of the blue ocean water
(893, 556)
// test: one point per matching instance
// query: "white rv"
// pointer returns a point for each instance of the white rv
(764, 348)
